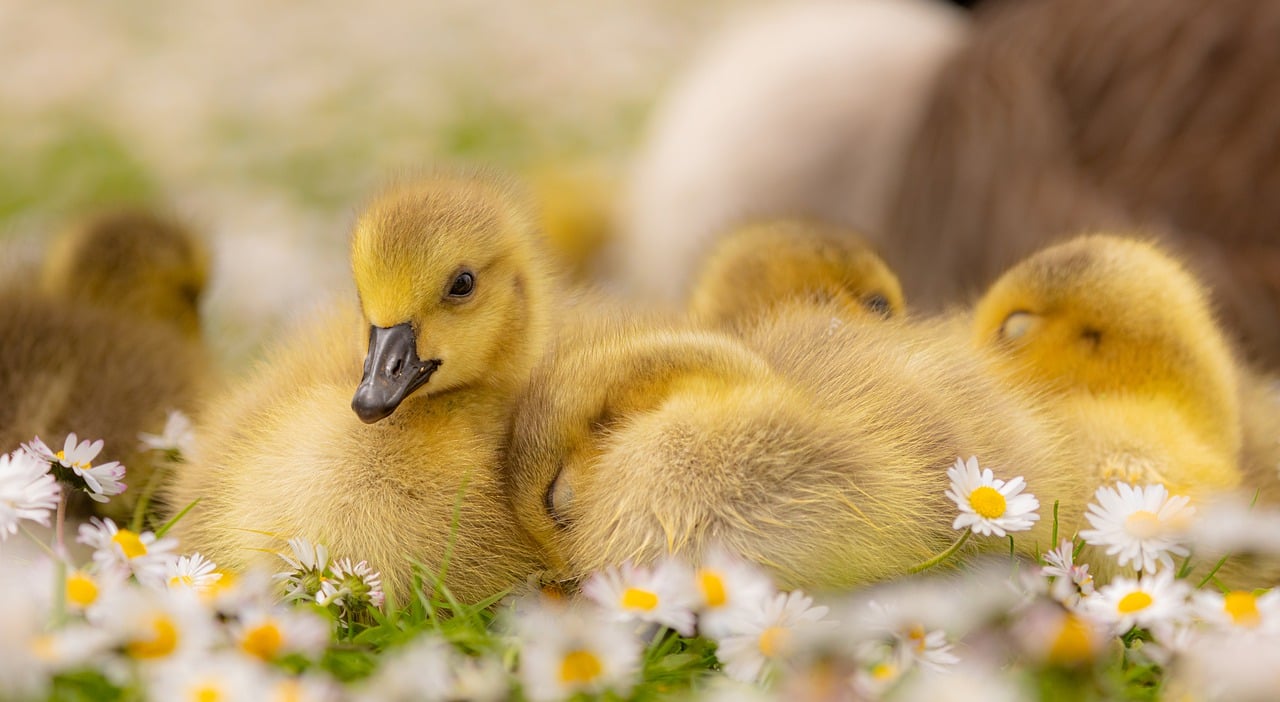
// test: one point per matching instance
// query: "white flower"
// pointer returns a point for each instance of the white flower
(24, 671)
(74, 466)
(1226, 666)
(1239, 609)
(306, 571)
(1138, 525)
(566, 651)
(911, 640)
(725, 583)
(352, 588)
(664, 595)
(268, 633)
(176, 437)
(1058, 636)
(217, 676)
(1071, 581)
(85, 591)
(1229, 524)
(309, 687)
(971, 683)
(146, 557)
(156, 625)
(27, 491)
(194, 571)
(987, 504)
(767, 634)
(419, 671)
(1153, 602)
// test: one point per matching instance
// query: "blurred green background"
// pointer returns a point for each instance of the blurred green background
(264, 123)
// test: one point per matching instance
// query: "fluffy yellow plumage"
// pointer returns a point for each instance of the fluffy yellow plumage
(454, 295)
(1124, 337)
(758, 267)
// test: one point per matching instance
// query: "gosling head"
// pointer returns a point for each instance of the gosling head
(132, 261)
(450, 279)
(758, 267)
(1103, 312)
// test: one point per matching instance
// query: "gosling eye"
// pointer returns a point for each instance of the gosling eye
(557, 498)
(463, 284)
(877, 304)
(1017, 324)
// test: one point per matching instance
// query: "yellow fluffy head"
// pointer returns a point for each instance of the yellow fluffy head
(132, 261)
(410, 248)
(758, 267)
(1112, 316)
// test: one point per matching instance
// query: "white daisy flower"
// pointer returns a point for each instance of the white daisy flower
(310, 687)
(86, 591)
(1057, 636)
(915, 643)
(143, 555)
(987, 504)
(216, 676)
(725, 583)
(352, 588)
(76, 645)
(480, 679)
(418, 671)
(762, 637)
(972, 683)
(195, 572)
(1071, 582)
(269, 633)
(664, 595)
(73, 465)
(24, 672)
(566, 651)
(175, 439)
(1153, 602)
(156, 625)
(1229, 524)
(27, 491)
(1226, 666)
(307, 568)
(1138, 525)
(1239, 609)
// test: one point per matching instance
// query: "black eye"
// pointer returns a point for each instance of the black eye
(878, 304)
(462, 285)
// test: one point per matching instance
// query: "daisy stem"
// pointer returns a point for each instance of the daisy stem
(58, 525)
(942, 556)
(140, 509)
(43, 546)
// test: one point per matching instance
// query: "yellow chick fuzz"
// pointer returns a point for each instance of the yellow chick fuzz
(758, 267)
(1124, 337)
(455, 298)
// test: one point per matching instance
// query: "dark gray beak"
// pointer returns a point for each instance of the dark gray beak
(392, 371)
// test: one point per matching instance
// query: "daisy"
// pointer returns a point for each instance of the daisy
(309, 687)
(27, 491)
(156, 626)
(1138, 525)
(1071, 582)
(218, 676)
(268, 634)
(175, 439)
(664, 595)
(1231, 525)
(915, 643)
(307, 568)
(725, 583)
(143, 555)
(418, 671)
(1057, 636)
(195, 572)
(1239, 609)
(73, 465)
(987, 504)
(85, 591)
(567, 651)
(352, 588)
(23, 668)
(1153, 603)
(761, 637)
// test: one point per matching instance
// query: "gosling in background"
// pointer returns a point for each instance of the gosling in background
(108, 343)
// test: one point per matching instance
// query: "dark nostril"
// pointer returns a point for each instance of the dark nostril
(395, 366)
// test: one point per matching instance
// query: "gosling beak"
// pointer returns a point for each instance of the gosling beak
(392, 371)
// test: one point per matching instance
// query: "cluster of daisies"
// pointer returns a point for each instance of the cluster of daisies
(135, 620)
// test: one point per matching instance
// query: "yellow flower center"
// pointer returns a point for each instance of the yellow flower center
(712, 588)
(1135, 601)
(635, 598)
(206, 693)
(263, 641)
(1243, 608)
(81, 590)
(884, 671)
(987, 502)
(773, 641)
(580, 667)
(181, 581)
(130, 544)
(163, 641)
(62, 457)
(44, 648)
(289, 691)
(1073, 644)
(918, 635)
(1142, 525)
